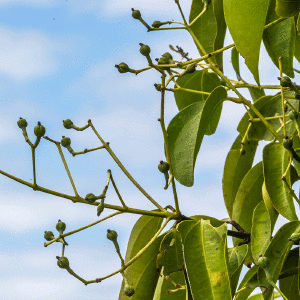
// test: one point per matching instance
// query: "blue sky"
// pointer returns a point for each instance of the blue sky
(56, 62)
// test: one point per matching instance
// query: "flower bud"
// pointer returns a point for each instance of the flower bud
(295, 237)
(68, 124)
(136, 14)
(60, 226)
(156, 24)
(65, 141)
(288, 144)
(100, 207)
(128, 290)
(112, 235)
(163, 167)
(90, 198)
(190, 69)
(49, 236)
(22, 123)
(168, 56)
(39, 130)
(158, 86)
(63, 262)
(286, 82)
(145, 49)
(122, 67)
(293, 115)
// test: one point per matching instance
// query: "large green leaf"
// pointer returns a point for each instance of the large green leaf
(279, 40)
(256, 93)
(210, 28)
(186, 131)
(236, 167)
(268, 106)
(191, 82)
(246, 21)
(248, 196)
(236, 258)
(142, 273)
(275, 162)
(206, 260)
(276, 254)
(260, 231)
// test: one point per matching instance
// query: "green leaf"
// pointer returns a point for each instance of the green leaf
(235, 62)
(287, 8)
(210, 28)
(279, 40)
(246, 21)
(206, 261)
(256, 93)
(248, 196)
(191, 82)
(186, 131)
(142, 273)
(275, 162)
(261, 231)
(236, 167)
(236, 258)
(276, 254)
(163, 286)
(213, 221)
(260, 296)
(297, 47)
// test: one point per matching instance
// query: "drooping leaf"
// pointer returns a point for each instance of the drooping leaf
(236, 167)
(276, 254)
(235, 62)
(236, 258)
(206, 261)
(191, 82)
(279, 40)
(186, 131)
(142, 273)
(275, 162)
(246, 21)
(260, 231)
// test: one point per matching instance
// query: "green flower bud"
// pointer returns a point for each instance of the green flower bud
(68, 124)
(164, 61)
(295, 237)
(158, 87)
(263, 262)
(128, 290)
(100, 207)
(122, 67)
(22, 123)
(145, 49)
(288, 144)
(60, 226)
(163, 167)
(156, 24)
(49, 236)
(293, 115)
(136, 14)
(39, 130)
(168, 56)
(286, 82)
(63, 262)
(90, 198)
(190, 69)
(112, 235)
(65, 141)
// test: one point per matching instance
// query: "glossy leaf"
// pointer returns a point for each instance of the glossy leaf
(248, 196)
(279, 40)
(186, 131)
(142, 274)
(191, 82)
(275, 162)
(236, 258)
(206, 261)
(276, 254)
(246, 27)
(236, 167)
(260, 231)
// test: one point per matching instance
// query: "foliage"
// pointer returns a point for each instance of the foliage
(192, 260)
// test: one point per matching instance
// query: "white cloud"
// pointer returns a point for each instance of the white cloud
(26, 54)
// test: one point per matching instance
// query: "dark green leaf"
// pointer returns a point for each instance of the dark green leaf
(279, 40)
(246, 27)
(186, 131)
(275, 162)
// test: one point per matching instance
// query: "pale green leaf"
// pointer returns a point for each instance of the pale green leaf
(235, 62)
(275, 162)
(186, 131)
(236, 167)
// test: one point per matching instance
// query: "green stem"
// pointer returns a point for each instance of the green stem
(166, 28)
(181, 12)
(80, 128)
(76, 276)
(200, 15)
(112, 154)
(86, 150)
(282, 97)
(63, 249)
(191, 91)
(278, 290)
(33, 166)
(274, 23)
(267, 118)
(27, 140)
(37, 141)
(291, 190)
(117, 191)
